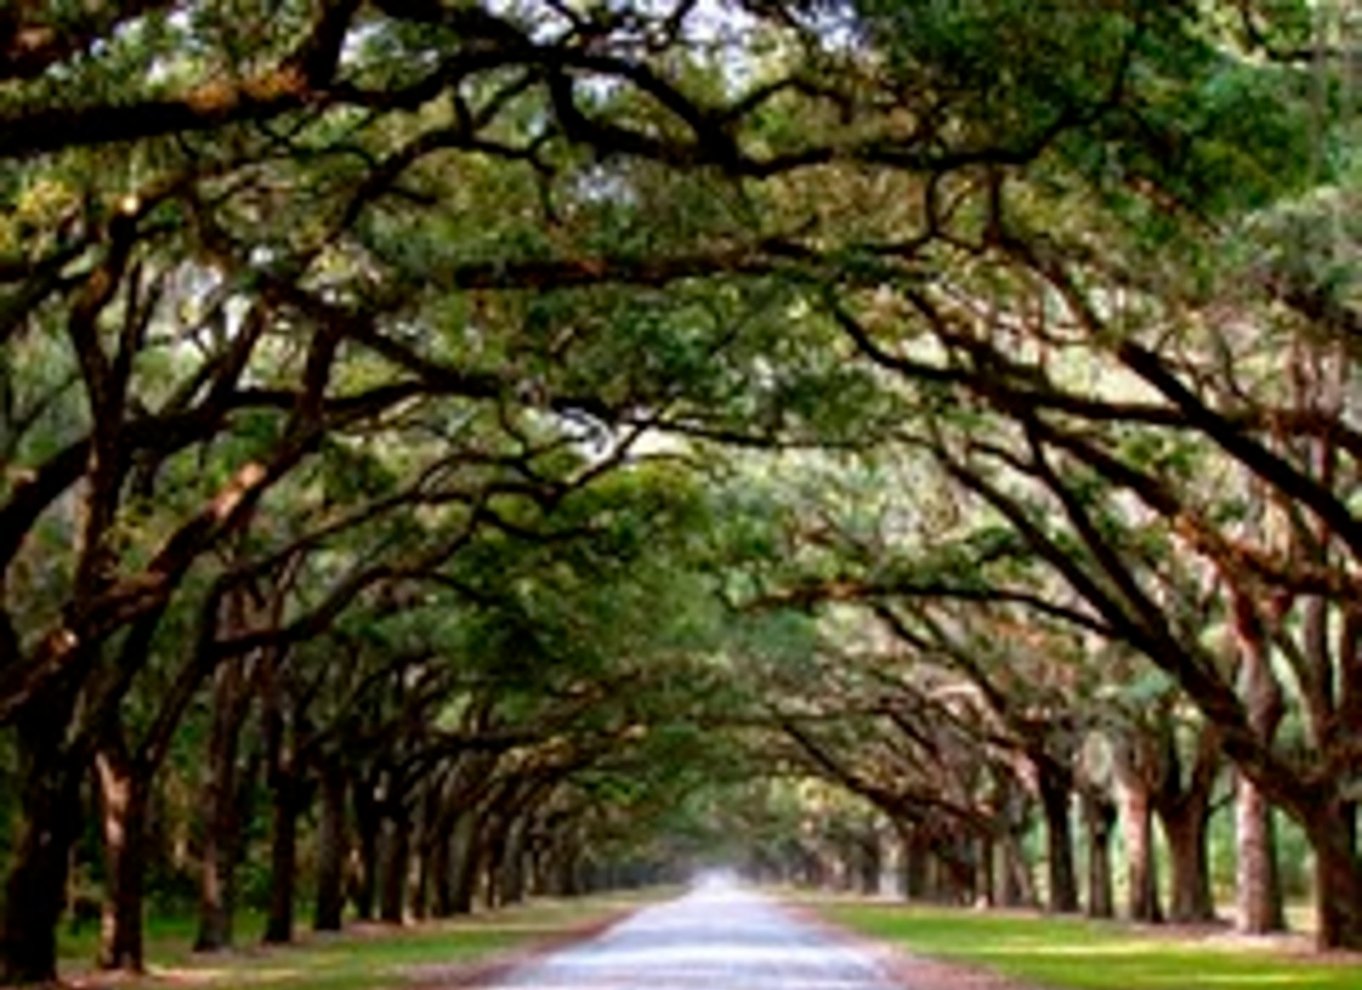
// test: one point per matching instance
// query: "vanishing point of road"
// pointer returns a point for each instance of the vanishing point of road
(717, 937)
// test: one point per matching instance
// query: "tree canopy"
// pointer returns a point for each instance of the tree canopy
(535, 444)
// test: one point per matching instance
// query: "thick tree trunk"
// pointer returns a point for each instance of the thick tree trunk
(1056, 789)
(331, 848)
(226, 808)
(429, 838)
(283, 859)
(463, 862)
(441, 887)
(1338, 875)
(419, 902)
(1258, 887)
(914, 865)
(1185, 830)
(872, 863)
(396, 851)
(493, 846)
(35, 889)
(956, 872)
(511, 871)
(984, 882)
(1100, 815)
(1260, 907)
(217, 881)
(540, 859)
(368, 832)
(1018, 886)
(124, 795)
(1184, 809)
(1142, 882)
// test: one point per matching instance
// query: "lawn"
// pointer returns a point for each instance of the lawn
(369, 958)
(1063, 953)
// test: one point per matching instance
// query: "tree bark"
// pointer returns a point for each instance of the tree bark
(1140, 863)
(1332, 830)
(396, 850)
(1018, 886)
(511, 874)
(1258, 887)
(368, 828)
(331, 847)
(564, 873)
(418, 904)
(283, 858)
(1056, 789)
(463, 858)
(35, 888)
(441, 889)
(124, 795)
(872, 861)
(226, 808)
(429, 839)
(1260, 907)
(914, 865)
(985, 884)
(493, 848)
(1100, 815)
(1185, 829)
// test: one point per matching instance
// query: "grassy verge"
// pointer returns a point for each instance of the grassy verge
(370, 957)
(1064, 953)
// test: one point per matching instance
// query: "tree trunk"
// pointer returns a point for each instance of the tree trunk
(1018, 886)
(226, 797)
(1140, 864)
(35, 889)
(1332, 831)
(511, 875)
(1185, 828)
(419, 902)
(567, 871)
(1056, 788)
(541, 869)
(368, 828)
(396, 852)
(1100, 815)
(429, 838)
(283, 858)
(463, 857)
(124, 795)
(331, 847)
(1258, 887)
(984, 883)
(914, 865)
(493, 847)
(441, 888)
(956, 871)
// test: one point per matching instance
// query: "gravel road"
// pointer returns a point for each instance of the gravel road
(718, 937)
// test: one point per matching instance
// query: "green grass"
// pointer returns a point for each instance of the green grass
(371, 958)
(165, 936)
(1063, 953)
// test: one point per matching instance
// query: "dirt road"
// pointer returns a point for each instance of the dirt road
(718, 937)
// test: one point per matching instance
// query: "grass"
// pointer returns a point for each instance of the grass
(369, 958)
(1064, 953)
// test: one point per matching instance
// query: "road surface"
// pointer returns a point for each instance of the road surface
(717, 937)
